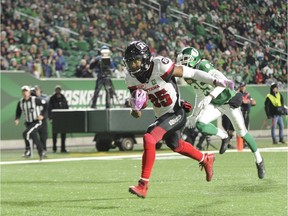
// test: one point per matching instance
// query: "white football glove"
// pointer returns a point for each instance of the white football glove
(205, 102)
(230, 84)
(224, 83)
(191, 121)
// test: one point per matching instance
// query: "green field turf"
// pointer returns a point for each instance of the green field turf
(177, 186)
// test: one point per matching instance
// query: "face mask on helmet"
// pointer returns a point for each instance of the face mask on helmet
(138, 60)
(133, 64)
(189, 56)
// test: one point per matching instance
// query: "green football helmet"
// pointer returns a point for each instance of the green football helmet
(189, 56)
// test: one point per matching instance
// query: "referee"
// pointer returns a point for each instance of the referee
(43, 131)
(34, 109)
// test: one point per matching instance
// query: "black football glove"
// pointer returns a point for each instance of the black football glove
(236, 101)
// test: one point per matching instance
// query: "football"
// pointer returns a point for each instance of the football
(139, 99)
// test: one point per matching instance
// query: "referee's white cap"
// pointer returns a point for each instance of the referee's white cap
(25, 88)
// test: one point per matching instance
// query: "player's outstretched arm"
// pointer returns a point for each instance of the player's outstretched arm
(186, 72)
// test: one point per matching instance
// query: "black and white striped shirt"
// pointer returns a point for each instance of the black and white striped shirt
(32, 108)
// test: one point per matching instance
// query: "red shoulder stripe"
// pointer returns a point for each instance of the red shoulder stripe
(168, 72)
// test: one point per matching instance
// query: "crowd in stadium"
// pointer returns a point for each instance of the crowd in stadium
(52, 38)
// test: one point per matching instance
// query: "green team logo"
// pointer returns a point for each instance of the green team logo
(208, 66)
(194, 53)
(206, 88)
(153, 82)
(189, 81)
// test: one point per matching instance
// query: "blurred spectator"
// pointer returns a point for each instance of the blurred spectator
(47, 70)
(95, 22)
(250, 60)
(13, 65)
(17, 55)
(120, 72)
(223, 46)
(23, 65)
(258, 78)
(269, 70)
(52, 40)
(284, 77)
(58, 66)
(82, 70)
(247, 77)
(30, 64)
(37, 68)
(4, 64)
(200, 28)
(62, 60)
(65, 44)
(81, 44)
(209, 45)
(163, 19)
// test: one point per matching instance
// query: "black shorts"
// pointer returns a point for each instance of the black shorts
(169, 127)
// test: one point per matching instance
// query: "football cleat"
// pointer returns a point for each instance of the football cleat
(224, 145)
(139, 190)
(207, 164)
(27, 153)
(231, 146)
(41, 157)
(261, 169)
(64, 151)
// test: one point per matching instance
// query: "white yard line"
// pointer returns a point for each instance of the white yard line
(159, 156)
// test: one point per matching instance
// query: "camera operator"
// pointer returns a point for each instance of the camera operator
(103, 65)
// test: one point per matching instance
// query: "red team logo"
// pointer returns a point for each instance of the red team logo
(165, 60)
(141, 46)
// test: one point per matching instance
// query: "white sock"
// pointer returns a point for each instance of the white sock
(258, 157)
(144, 179)
(202, 158)
(222, 134)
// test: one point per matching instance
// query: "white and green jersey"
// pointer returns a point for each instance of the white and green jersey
(201, 89)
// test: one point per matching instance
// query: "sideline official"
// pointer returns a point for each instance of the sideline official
(274, 109)
(247, 103)
(34, 109)
(58, 101)
(43, 132)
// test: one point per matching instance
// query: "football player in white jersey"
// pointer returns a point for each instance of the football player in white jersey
(211, 103)
(156, 76)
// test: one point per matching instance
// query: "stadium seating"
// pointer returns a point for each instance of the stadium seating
(87, 25)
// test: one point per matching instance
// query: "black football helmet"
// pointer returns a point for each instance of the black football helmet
(138, 51)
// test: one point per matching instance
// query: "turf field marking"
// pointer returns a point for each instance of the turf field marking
(160, 156)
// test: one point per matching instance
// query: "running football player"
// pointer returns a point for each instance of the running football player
(212, 102)
(156, 76)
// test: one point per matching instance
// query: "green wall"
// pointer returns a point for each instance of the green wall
(80, 91)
